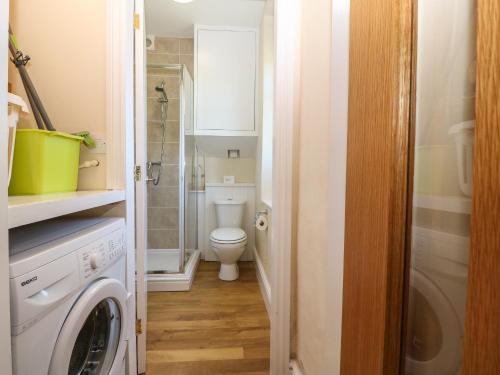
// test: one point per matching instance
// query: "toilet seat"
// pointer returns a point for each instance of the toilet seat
(228, 235)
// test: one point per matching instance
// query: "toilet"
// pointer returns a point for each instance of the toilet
(228, 241)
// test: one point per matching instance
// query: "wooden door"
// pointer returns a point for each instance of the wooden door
(377, 165)
(393, 202)
(482, 326)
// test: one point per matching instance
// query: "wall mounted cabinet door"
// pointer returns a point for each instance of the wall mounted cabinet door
(225, 77)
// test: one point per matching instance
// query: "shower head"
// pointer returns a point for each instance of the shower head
(162, 90)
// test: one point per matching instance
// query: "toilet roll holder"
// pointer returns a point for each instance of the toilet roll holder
(261, 220)
(261, 212)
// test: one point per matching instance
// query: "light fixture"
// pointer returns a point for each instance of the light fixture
(183, 1)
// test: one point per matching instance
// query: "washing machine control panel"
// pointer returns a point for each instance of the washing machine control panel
(98, 256)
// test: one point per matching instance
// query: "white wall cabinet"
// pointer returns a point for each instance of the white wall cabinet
(225, 81)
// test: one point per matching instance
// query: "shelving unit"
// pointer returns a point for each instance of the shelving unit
(461, 205)
(28, 209)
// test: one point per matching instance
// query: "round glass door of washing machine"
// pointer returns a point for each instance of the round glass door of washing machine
(97, 341)
(93, 332)
(434, 333)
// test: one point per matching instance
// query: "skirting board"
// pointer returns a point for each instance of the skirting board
(265, 287)
(295, 368)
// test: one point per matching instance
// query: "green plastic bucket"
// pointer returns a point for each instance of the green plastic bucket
(44, 162)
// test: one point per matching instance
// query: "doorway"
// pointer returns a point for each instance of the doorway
(225, 169)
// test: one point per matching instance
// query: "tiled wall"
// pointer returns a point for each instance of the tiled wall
(173, 51)
(163, 200)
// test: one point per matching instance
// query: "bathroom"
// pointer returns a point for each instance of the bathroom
(254, 187)
(208, 151)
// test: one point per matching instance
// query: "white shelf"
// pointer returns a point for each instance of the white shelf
(461, 205)
(27, 209)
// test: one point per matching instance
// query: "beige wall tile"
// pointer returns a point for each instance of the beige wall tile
(172, 85)
(168, 45)
(163, 239)
(154, 110)
(171, 152)
(187, 46)
(163, 218)
(162, 58)
(163, 196)
(155, 131)
(160, 71)
(169, 176)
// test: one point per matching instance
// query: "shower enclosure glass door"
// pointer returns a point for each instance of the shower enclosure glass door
(190, 235)
(171, 153)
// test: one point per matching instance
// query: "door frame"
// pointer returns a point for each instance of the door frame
(381, 36)
(5, 338)
(140, 182)
(482, 320)
(120, 139)
(285, 167)
(287, 57)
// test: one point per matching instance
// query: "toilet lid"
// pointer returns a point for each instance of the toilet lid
(228, 235)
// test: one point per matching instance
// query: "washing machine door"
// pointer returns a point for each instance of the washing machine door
(92, 335)
(434, 340)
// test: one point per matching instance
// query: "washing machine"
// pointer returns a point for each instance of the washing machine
(68, 297)
(438, 283)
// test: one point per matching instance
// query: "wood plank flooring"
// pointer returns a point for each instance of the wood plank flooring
(217, 328)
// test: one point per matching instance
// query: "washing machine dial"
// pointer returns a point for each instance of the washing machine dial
(94, 261)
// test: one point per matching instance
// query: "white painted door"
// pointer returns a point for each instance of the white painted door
(225, 68)
(5, 358)
(140, 187)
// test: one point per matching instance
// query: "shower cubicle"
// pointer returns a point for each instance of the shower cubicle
(172, 173)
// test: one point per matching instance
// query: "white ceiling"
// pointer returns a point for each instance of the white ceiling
(169, 18)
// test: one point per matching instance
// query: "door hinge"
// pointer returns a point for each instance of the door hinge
(138, 327)
(137, 21)
(137, 173)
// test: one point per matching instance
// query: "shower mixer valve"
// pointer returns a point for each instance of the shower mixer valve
(150, 172)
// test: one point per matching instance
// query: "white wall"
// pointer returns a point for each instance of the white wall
(322, 176)
(265, 119)
(68, 69)
(242, 169)
(66, 41)
(267, 95)
(5, 353)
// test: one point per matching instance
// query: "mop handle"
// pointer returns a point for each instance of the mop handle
(20, 62)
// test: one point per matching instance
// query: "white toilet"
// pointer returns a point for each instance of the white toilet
(228, 241)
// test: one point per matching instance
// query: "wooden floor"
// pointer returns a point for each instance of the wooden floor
(216, 328)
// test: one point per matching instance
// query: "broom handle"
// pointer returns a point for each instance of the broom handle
(38, 119)
(28, 85)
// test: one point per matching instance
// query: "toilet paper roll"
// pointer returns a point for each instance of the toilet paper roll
(261, 223)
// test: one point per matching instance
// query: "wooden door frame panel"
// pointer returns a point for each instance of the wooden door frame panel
(377, 184)
(482, 325)
(410, 192)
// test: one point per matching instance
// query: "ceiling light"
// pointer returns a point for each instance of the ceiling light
(183, 1)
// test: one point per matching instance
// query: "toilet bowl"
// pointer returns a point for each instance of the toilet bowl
(229, 241)
(228, 244)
